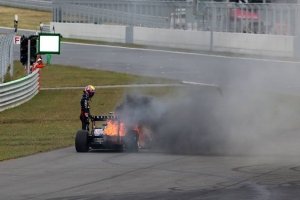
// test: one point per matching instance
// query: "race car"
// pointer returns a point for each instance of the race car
(112, 136)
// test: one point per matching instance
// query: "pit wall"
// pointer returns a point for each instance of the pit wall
(255, 44)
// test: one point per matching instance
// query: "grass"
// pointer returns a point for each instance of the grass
(28, 19)
(63, 76)
(50, 120)
(72, 76)
(53, 120)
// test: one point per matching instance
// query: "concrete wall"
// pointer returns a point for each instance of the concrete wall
(185, 39)
(268, 45)
(105, 33)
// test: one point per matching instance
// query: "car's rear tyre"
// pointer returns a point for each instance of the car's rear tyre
(81, 141)
(131, 141)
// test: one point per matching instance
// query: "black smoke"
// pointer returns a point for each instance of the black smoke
(201, 120)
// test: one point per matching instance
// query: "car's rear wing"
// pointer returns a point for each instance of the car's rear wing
(105, 118)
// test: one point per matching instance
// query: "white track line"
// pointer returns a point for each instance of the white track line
(202, 84)
(117, 86)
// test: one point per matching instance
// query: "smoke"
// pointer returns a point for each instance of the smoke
(201, 120)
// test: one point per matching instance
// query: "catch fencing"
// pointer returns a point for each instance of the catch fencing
(155, 14)
(6, 55)
(271, 18)
(45, 5)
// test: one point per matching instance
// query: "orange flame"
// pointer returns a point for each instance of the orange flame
(112, 128)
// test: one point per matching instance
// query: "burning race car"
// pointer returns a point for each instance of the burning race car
(112, 135)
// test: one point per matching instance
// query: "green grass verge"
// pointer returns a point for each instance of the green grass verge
(63, 76)
(50, 120)
(72, 76)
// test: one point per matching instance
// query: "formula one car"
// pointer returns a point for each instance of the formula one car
(111, 136)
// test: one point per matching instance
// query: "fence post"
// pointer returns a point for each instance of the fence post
(12, 55)
(39, 79)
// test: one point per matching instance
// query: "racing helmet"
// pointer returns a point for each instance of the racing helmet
(89, 91)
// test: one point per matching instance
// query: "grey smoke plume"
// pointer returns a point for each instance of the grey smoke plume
(201, 121)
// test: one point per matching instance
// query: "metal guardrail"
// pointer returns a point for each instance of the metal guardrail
(32, 4)
(6, 55)
(19, 91)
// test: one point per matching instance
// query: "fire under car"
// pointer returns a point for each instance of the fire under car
(111, 136)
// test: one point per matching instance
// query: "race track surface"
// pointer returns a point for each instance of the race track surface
(66, 175)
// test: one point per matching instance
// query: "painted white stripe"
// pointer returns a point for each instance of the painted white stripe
(117, 86)
(203, 84)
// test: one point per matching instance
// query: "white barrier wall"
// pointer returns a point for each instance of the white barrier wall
(259, 44)
(105, 33)
(268, 45)
(185, 39)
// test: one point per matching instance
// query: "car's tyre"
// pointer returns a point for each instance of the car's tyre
(131, 141)
(119, 148)
(81, 141)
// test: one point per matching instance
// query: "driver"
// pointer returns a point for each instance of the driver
(85, 114)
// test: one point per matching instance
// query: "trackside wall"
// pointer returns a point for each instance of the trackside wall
(105, 33)
(258, 44)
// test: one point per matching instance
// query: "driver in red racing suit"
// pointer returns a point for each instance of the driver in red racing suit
(85, 114)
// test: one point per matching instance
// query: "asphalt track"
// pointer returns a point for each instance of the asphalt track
(65, 174)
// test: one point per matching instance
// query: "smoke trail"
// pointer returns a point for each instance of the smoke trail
(201, 121)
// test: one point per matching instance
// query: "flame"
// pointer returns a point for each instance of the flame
(145, 137)
(112, 128)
